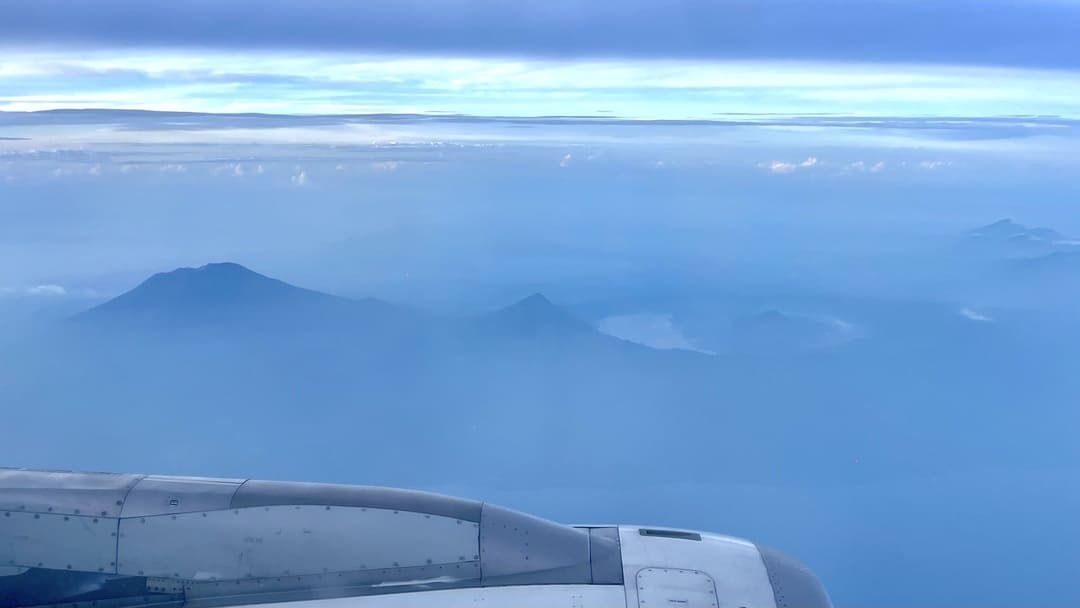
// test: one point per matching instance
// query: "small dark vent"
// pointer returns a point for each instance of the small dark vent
(670, 534)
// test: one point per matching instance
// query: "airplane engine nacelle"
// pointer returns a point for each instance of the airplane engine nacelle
(97, 539)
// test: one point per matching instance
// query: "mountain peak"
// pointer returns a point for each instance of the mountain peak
(209, 291)
(1004, 227)
(536, 313)
(1007, 230)
(536, 301)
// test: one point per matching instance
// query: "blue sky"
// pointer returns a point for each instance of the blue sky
(631, 58)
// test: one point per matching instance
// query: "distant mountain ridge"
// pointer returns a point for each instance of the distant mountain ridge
(1008, 238)
(222, 292)
(233, 298)
(536, 313)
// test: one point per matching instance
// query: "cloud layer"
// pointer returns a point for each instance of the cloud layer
(1036, 33)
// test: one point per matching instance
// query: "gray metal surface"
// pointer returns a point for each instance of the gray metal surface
(519, 549)
(605, 556)
(64, 492)
(336, 584)
(793, 584)
(154, 495)
(662, 587)
(60, 542)
(254, 493)
(290, 540)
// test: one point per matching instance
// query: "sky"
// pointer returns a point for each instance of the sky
(630, 58)
(125, 124)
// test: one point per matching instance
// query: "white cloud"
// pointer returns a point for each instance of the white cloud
(863, 166)
(384, 165)
(340, 82)
(973, 315)
(932, 165)
(782, 167)
(68, 169)
(565, 162)
(46, 290)
(299, 178)
(777, 166)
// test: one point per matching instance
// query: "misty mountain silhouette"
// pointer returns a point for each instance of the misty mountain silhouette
(536, 314)
(1008, 232)
(226, 292)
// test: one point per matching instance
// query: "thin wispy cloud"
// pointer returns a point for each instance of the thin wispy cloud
(243, 82)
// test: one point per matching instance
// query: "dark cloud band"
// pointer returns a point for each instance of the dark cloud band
(1035, 33)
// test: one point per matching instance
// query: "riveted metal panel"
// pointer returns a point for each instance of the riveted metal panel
(255, 493)
(167, 495)
(660, 587)
(59, 542)
(332, 585)
(793, 584)
(289, 540)
(519, 549)
(605, 555)
(97, 494)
